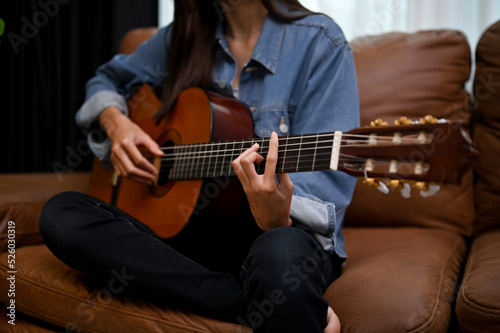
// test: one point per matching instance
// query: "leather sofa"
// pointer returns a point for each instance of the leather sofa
(419, 264)
(478, 301)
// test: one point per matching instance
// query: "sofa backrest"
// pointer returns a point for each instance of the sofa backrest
(135, 37)
(487, 129)
(414, 75)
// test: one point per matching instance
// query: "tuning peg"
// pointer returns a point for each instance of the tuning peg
(378, 122)
(382, 187)
(432, 189)
(422, 186)
(426, 190)
(406, 190)
(379, 185)
(395, 183)
(370, 182)
(428, 120)
(402, 121)
(403, 187)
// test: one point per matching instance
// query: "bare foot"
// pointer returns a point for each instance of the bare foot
(333, 322)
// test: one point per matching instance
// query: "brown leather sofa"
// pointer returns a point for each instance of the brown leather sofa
(406, 256)
(478, 302)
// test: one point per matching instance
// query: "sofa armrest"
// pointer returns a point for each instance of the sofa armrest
(22, 197)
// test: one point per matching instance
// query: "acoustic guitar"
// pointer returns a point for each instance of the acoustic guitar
(205, 132)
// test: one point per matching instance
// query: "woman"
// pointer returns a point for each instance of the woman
(270, 268)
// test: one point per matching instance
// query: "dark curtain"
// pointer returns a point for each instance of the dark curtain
(48, 50)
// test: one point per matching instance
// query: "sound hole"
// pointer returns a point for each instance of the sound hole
(167, 163)
(163, 184)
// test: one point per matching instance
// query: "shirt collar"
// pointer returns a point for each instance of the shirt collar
(268, 46)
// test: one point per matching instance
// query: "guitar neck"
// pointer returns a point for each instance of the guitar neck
(296, 153)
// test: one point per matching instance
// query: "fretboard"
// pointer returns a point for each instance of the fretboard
(296, 153)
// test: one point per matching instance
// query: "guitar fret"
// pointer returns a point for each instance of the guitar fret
(262, 151)
(283, 162)
(203, 160)
(230, 166)
(178, 162)
(176, 165)
(215, 162)
(188, 162)
(223, 160)
(183, 163)
(209, 155)
(298, 157)
(194, 161)
(315, 150)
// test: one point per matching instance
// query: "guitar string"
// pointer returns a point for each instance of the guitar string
(316, 152)
(202, 173)
(355, 162)
(220, 158)
(214, 169)
(223, 158)
(266, 141)
(190, 153)
(220, 163)
(216, 163)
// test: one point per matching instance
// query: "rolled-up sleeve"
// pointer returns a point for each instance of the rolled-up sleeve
(115, 81)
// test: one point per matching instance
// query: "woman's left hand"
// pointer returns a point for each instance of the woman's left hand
(269, 201)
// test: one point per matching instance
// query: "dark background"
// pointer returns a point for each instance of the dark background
(42, 82)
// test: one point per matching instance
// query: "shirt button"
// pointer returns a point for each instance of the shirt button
(251, 69)
(222, 84)
(283, 126)
(253, 108)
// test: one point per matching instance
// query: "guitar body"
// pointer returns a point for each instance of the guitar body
(198, 117)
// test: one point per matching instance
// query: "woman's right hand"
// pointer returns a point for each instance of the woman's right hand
(129, 144)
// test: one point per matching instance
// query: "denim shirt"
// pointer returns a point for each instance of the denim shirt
(300, 80)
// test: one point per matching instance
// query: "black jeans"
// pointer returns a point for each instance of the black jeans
(227, 269)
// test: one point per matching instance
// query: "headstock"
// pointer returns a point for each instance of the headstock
(419, 154)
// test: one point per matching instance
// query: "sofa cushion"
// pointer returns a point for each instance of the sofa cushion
(397, 280)
(24, 324)
(413, 75)
(416, 74)
(478, 302)
(487, 130)
(49, 290)
(22, 197)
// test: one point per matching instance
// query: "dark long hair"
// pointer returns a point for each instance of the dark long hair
(191, 56)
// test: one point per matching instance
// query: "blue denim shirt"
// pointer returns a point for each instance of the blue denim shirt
(300, 80)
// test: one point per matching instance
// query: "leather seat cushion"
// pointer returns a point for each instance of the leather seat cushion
(397, 280)
(22, 197)
(478, 302)
(49, 290)
(25, 324)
